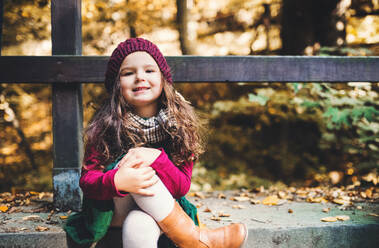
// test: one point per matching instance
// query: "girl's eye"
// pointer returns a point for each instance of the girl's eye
(127, 73)
(149, 71)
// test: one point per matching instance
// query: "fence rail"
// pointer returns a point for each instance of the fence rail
(91, 69)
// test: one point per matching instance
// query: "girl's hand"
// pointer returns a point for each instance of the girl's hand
(140, 157)
(135, 179)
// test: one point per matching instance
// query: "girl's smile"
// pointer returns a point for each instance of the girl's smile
(141, 83)
(138, 90)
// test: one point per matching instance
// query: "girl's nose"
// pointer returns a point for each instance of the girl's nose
(140, 75)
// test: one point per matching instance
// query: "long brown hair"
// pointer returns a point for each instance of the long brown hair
(107, 133)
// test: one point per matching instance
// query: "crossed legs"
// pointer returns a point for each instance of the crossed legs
(138, 215)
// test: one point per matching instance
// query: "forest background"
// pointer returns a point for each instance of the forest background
(259, 133)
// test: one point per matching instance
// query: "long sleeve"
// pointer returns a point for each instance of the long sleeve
(177, 180)
(96, 184)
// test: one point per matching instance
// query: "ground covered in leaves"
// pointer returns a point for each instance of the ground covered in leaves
(34, 211)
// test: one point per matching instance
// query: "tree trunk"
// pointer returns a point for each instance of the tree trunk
(305, 23)
(182, 20)
(1, 22)
(131, 19)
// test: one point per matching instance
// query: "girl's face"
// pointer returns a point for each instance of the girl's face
(141, 83)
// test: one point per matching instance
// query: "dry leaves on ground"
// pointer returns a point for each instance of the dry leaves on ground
(9, 203)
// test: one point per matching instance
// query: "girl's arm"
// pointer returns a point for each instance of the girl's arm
(96, 184)
(177, 180)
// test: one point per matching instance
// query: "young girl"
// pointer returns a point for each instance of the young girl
(148, 135)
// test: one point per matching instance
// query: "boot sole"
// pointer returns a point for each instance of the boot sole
(244, 243)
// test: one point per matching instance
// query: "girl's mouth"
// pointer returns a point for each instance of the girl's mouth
(137, 89)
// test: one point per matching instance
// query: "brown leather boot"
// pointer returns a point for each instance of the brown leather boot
(181, 229)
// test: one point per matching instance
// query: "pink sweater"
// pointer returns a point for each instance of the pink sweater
(98, 185)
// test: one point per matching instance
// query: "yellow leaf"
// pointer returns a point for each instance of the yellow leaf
(63, 217)
(342, 217)
(253, 201)
(282, 195)
(326, 210)
(341, 201)
(368, 193)
(222, 214)
(32, 218)
(329, 219)
(239, 198)
(41, 228)
(3, 208)
(221, 196)
(290, 211)
(199, 195)
(270, 200)
(238, 206)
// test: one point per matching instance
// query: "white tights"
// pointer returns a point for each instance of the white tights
(138, 215)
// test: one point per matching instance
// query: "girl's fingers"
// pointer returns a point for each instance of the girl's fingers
(133, 163)
(150, 182)
(148, 175)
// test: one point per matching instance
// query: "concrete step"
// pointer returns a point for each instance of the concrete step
(269, 226)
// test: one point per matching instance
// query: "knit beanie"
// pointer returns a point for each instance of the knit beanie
(130, 46)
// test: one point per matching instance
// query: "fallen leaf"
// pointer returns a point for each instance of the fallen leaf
(374, 214)
(41, 229)
(221, 196)
(368, 193)
(199, 195)
(282, 195)
(253, 201)
(215, 218)
(41, 195)
(290, 211)
(316, 200)
(3, 208)
(342, 217)
(359, 207)
(363, 194)
(222, 214)
(32, 218)
(63, 217)
(329, 219)
(326, 210)
(238, 206)
(199, 205)
(207, 210)
(341, 201)
(270, 200)
(240, 198)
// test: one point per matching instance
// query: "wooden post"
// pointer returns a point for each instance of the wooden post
(66, 36)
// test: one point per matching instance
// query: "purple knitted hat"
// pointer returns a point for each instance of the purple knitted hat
(130, 46)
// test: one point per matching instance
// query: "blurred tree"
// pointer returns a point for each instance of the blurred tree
(1, 23)
(305, 23)
(182, 19)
